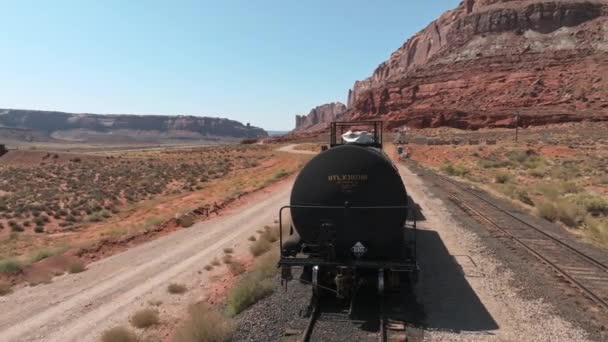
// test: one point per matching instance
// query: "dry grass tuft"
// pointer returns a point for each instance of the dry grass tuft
(204, 325)
(119, 334)
(76, 267)
(227, 259)
(145, 318)
(175, 288)
(236, 267)
(259, 247)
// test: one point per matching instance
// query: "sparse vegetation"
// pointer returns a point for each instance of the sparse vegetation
(119, 334)
(10, 266)
(564, 177)
(76, 267)
(259, 247)
(236, 267)
(228, 250)
(204, 325)
(175, 288)
(145, 318)
(455, 170)
(254, 286)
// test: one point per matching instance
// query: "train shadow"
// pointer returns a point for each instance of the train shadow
(442, 299)
(414, 211)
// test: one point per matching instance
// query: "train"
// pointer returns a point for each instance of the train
(350, 217)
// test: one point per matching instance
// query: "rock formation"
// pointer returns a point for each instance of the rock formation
(487, 60)
(319, 116)
(123, 128)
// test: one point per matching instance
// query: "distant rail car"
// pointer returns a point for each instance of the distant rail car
(349, 209)
(3, 150)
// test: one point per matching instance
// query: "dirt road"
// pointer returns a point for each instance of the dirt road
(78, 307)
(291, 149)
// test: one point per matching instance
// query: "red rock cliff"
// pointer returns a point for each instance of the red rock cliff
(319, 116)
(481, 63)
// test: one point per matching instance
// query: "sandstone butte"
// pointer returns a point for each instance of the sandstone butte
(482, 63)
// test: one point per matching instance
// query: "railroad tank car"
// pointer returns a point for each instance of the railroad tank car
(348, 209)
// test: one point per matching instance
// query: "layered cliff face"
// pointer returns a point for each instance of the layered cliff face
(487, 60)
(95, 127)
(318, 117)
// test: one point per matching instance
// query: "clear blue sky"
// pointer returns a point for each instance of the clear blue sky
(253, 61)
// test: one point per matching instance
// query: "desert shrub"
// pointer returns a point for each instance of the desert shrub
(595, 205)
(204, 325)
(569, 187)
(175, 288)
(492, 164)
(597, 229)
(227, 259)
(538, 172)
(281, 174)
(208, 267)
(76, 267)
(39, 229)
(518, 156)
(10, 266)
(569, 213)
(547, 210)
(145, 318)
(16, 227)
(228, 250)
(564, 171)
(215, 262)
(455, 170)
(119, 334)
(42, 254)
(254, 286)
(5, 288)
(236, 267)
(502, 177)
(259, 247)
(252, 238)
(270, 234)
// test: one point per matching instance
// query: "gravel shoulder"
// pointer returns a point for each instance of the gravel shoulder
(78, 307)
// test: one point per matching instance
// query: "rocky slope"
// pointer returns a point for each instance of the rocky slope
(487, 60)
(319, 116)
(123, 128)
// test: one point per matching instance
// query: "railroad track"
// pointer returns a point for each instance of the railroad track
(389, 329)
(586, 273)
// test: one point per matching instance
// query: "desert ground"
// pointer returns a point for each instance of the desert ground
(219, 258)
